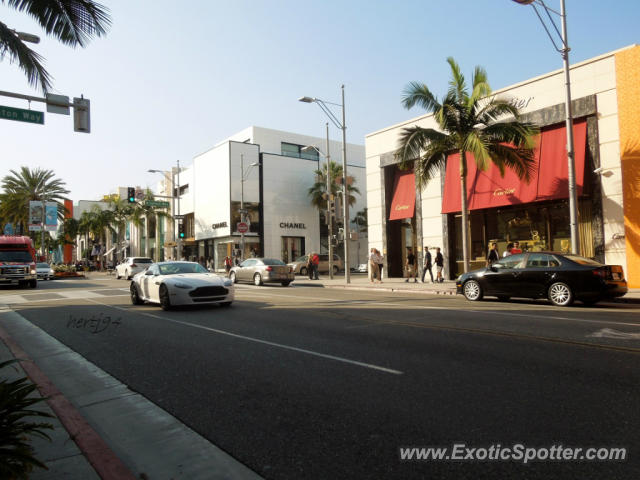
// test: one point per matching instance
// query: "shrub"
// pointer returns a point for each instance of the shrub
(17, 426)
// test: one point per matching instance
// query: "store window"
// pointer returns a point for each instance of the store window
(292, 248)
(298, 151)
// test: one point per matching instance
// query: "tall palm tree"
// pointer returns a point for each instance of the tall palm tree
(147, 215)
(26, 185)
(318, 190)
(121, 211)
(476, 123)
(72, 22)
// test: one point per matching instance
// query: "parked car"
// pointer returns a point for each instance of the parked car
(361, 268)
(44, 271)
(130, 266)
(180, 283)
(262, 270)
(299, 265)
(562, 278)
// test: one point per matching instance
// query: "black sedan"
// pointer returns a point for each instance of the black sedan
(561, 278)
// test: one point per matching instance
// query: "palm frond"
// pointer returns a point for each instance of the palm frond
(413, 140)
(457, 84)
(419, 94)
(73, 22)
(520, 160)
(29, 61)
(481, 88)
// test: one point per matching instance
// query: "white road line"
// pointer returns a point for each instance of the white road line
(257, 340)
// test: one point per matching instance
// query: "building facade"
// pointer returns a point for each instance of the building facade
(606, 113)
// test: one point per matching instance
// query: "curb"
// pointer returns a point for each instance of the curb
(105, 462)
(393, 289)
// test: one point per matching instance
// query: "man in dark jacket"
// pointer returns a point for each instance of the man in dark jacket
(427, 264)
(439, 265)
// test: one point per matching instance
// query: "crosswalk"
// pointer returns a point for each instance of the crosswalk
(48, 296)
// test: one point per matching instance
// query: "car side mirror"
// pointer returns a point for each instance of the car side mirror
(495, 267)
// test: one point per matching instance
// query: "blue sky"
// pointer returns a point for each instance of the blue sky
(171, 79)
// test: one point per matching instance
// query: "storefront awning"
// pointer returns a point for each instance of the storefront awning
(548, 180)
(404, 196)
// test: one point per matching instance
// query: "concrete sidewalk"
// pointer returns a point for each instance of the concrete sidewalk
(360, 281)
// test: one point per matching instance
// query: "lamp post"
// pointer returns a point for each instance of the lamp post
(243, 177)
(564, 51)
(329, 199)
(345, 204)
(175, 194)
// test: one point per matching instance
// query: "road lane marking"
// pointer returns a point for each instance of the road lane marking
(611, 333)
(257, 340)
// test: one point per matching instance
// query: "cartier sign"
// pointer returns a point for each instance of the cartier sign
(503, 192)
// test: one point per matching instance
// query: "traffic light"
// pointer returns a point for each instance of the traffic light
(131, 195)
(181, 230)
(81, 115)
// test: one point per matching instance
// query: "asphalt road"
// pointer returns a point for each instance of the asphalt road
(330, 384)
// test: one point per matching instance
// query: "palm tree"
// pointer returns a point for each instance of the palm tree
(72, 22)
(19, 188)
(143, 213)
(317, 192)
(361, 220)
(122, 211)
(483, 125)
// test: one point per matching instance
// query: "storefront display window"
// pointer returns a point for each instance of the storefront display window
(292, 248)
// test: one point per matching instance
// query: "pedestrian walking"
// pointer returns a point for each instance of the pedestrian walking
(374, 270)
(439, 261)
(427, 264)
(310, 265)
(227, 264)
(516, 248)
(380, 260)
(492, 254)
(315, 261)
(410, 264)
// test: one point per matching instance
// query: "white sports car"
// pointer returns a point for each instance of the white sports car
(180, 283)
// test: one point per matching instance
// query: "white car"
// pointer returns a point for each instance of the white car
(180, 283)
(44, 271)
(130, 266)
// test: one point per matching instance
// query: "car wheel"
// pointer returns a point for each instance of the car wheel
(285, 284)
(225, 304)
(503, 298)
(472, 290)
(118, 277)
(303, 270)
(33, 283)
(335, 269)
(257, 280)
(560, 294)
(232, 277)
(165, 302)
(135, 297)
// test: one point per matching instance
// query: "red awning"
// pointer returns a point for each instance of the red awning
(404, 196)
(548, 180)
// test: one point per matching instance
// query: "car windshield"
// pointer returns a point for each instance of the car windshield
(16, 256)
(142, 260)
(43, 265)
(272, 261)
(582, 260)
(511, 261)
(181, 267)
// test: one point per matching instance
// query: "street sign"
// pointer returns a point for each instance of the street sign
(57, 104)
(21, 115)
(156, 203)
(242, 227)
(178, 217)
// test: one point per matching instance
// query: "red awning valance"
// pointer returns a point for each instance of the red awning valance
(548, 181)
(404, 196)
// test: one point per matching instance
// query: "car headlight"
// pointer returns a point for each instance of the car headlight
(33, 271)
(181, 285)
(227, 283)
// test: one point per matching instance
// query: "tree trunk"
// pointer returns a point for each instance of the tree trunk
(465, 211)
(146, 236)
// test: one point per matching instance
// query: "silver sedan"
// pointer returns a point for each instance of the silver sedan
(262, 270)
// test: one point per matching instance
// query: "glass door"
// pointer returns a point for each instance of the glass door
(292, 248)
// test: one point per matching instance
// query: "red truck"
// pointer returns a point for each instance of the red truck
(17, 261)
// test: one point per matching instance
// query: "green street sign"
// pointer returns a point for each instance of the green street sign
(21, 115)
(155, 203)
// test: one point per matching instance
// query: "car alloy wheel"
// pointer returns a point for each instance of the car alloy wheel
(560, 294)
(165, 302)
(303, 271)
(135, 298)
(257, 280)
(232, 277)
(472, 290)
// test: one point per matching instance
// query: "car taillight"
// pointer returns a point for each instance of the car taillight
(133, 265)
(599, 272)
(269, 268)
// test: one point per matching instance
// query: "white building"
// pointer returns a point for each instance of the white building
(267, 172)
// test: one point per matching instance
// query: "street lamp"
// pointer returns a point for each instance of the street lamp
(329, 199)
(243, 177)
(345, 204)
(175, 193)
(564, 52)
